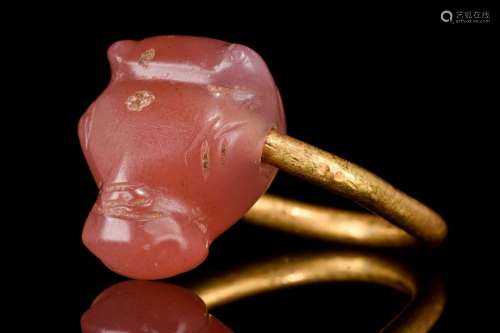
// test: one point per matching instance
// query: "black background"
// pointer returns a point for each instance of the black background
(392, 89)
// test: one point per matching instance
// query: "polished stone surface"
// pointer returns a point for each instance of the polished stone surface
(174, 144)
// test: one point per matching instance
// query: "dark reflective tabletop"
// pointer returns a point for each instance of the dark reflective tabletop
(248, 288)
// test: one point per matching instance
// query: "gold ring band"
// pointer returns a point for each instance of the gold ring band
(327, 224)
(350, 181)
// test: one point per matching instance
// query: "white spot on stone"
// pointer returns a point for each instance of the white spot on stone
(146, 57)
(238, 93)
(115, 230)
(139, 100)
(241, 94)
(87, 125)
(218, 91)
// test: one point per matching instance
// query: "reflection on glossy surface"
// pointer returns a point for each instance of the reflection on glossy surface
(175, 137)
(423, 311)
(425, 306)
(149, 307)
(141, 306)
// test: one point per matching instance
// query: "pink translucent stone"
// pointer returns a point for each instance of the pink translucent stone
(143, 306)
(174, 144)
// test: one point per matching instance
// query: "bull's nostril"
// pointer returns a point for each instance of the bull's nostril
(129, 201)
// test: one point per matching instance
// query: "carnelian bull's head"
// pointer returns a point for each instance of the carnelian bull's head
(174, 144)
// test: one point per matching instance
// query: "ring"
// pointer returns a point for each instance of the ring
(185, 141)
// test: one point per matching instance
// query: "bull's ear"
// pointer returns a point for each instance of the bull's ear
(118, 50)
